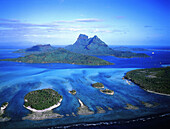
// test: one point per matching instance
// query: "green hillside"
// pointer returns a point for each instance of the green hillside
(60, 55)
(154, 79)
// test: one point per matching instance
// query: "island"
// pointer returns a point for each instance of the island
(2, 111)
(122, 48)
(42, 100)
(107, 91)
(155, 80)
(60, 55)
(97, 85)
(95, 46)
(41, 103)
(73, 92)
(36, 49)
(100, 86)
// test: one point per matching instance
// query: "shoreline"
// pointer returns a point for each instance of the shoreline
(154, 92)
(157, 92)
(44, 110)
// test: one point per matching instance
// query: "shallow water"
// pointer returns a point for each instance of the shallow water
(17, 79)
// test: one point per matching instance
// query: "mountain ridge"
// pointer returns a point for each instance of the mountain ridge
(95, 46)
(36, 49)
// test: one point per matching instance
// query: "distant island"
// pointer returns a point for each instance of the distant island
(122, 48)
(42, 100)
(36, 49)
(60, 55)
(95, 46)
(153, 79)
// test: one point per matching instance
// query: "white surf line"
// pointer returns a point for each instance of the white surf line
(157, 93)
(81, 103)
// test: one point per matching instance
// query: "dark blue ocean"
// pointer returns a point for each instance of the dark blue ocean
(17, 79)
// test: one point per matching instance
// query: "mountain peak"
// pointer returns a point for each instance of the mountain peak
(87, 45)
(97, 41)
(82, 40)
(40, 47)
(83, 36)
(95, 46)
(95, 36)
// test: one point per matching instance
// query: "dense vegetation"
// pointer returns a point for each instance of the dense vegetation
(154, 79)
(98, 85)
(95, 46)
(61, 56)
(42, 99)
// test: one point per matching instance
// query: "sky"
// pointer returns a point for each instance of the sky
(59, 22)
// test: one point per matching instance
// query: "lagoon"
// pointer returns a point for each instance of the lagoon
(18, 79)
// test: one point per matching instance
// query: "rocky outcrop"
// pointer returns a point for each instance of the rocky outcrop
(83, 109)
(130, 106)
(42, 116)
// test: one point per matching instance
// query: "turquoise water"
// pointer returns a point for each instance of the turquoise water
(17, 79)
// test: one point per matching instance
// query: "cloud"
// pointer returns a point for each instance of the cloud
(40, 35)
(63, 29)
(81, 20)
(88, 20)
(101, 31)
(24, 25)
(8, 20)
(17, 29)
(147, 26)
(12, 24)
